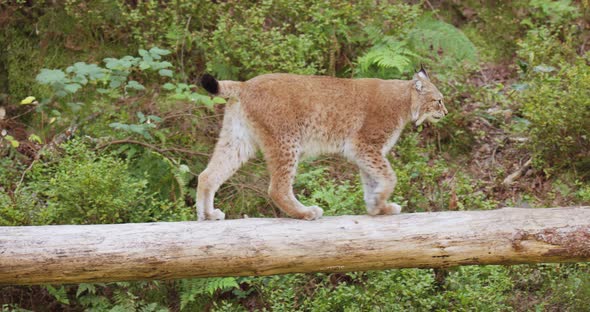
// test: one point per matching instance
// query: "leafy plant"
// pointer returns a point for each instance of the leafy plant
(393, 57)
(183, 91)
(84, 187)
(442, 43)
(108, 80)
(388, 58)
(59, 294)
(557, 104)
(190, 289)
(556, 12)
(143, 127)
(336, 198)
(298, 37)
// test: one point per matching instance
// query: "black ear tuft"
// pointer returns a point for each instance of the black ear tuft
(210, 83)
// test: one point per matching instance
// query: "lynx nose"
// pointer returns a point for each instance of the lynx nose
(444, 108)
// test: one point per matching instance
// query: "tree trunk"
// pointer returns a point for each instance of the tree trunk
(93, 253)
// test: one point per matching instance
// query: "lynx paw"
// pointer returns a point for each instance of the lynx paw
(388, 209)
(391, 209)
(314, 213)
(215, 215)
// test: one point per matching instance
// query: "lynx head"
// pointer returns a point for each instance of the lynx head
(428, 102)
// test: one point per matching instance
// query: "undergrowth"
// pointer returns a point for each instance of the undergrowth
(120, 134)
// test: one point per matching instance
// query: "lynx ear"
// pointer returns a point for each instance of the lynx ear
(421, 74)
(418, 85)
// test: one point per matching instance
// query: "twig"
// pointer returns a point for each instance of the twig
(153, 147)
(433, 9)
(26, 112)
(191, 116)
(517, 174)
(57, 140)
(22, 177)
(188, 21)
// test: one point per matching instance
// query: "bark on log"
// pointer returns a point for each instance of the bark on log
(92, 253)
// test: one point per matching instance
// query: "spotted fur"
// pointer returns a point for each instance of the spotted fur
(292, 116)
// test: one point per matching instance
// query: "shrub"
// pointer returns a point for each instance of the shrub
(83, 187)
(557, 104)
(297, 37)
(429, 183)
(335, 197)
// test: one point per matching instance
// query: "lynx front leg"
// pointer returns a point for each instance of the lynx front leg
(282, 165)
(378, 181)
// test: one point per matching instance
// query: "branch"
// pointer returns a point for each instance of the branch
(517, 174)
(152, 147)
(246, 247)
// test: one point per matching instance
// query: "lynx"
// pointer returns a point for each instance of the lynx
(289, 116)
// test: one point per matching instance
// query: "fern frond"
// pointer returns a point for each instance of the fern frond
(442, 41)
(224, 283)
(374, 33)
(389, 59)
(124, 300)
(191, 288)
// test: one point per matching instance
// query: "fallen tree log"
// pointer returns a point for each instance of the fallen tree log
(92, 253)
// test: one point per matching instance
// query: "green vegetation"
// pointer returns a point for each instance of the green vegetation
(101, 122)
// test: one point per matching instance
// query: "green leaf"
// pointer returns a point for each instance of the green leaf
(165, 72)
(148, 58)
(160, 135)
(80, 79)
(49, 76)
(143, 52)
(75, 106)
(164, 64)
(61, 93)
(158, 51)
(144, 65)
(12, 141)
(543, 68)
(85, 287)
(114, 84)
(218, 100)
(155, 118)
(35, 138)
(59, 294)
(92, 71)
(179, 96)
(123, 64)
(184, 168)
(118, 125)
(72, 87)
(140, 116)
(132, 84)
(204, 100)
(168, 86)
(27, 100)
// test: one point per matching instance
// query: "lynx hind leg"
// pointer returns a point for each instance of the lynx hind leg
(378, 181)
(234, 147)
(282, 165)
